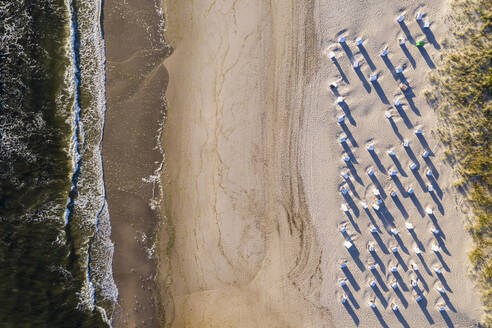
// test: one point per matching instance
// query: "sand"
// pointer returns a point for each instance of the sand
(252, 178)
(136, 82)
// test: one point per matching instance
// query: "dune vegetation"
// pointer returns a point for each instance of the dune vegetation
(461, 92)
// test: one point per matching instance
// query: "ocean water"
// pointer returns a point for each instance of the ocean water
(55, 247)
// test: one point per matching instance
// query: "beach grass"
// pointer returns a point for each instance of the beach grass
(461, 92)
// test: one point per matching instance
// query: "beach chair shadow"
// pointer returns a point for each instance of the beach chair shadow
(429, 35)
(348, 114)
(417, 204)
(364, 53)
(380, 92)
(354, 252)
(363, 79)
(395, 129)
(379, 316)
(407, 53)
(350, 296)
(400, 318)
(423, 307)
(400, 207)
(350, 278)
(404, 116)
(351, 312)
(349, 134)
(398, 165)
(377, 161)
(426, 57)
(447, 319)
(380, 295)
(406, 31)
(340, 70)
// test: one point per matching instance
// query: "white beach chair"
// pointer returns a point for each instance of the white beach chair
(333, 85)
(406, 143)
(341, 39)
(418, 298)
(402, 41)
(373, 229)
(414, 267)
(341, 118)
(426, 24)
(346, 158)
(437, 270)
(399, 70)
(344, 175)
(370, 172)
(394, 231)
(376, 192)
(395, 249)
(419, 16)
(370, 147)
(344, 191)
(394, 269)
(409, 225)
(373, 77)
(356, 64)
(393, 194)
(413, 166)
(391, 152)
(375, 207)
(345, 208)
(340, 100)
(394, 307)
(359, 41)
(363, 204)
(342, 139)
(388, 114)
(393, 172)
(343, 229)
(372, 284)
(435, 248)
(435, 231)
(417, 250)
(430, 188)
(418, 131)
(400, 18)
(384, 52)
(397, 102)
(372, 248)
(347, 244)
(428, 172)
(425, 154)
(429, 210)
(343, 265)
(332, 55)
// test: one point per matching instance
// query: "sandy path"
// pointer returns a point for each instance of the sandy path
(253, 168)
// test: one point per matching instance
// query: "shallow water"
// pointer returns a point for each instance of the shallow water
(55, 253)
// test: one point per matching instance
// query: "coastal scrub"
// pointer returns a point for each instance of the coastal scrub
(461, 93)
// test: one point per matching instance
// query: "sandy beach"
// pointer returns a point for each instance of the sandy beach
(136, 82)
(253, 185)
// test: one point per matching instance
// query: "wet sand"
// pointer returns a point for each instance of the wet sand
(136, 82)
(252, 179)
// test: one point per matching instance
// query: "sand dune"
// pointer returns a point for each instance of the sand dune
(253, 163)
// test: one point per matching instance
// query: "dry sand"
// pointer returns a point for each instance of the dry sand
(253, 162)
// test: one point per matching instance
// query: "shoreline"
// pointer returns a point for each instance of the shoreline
(136, 82)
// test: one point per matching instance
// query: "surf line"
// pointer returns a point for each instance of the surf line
(78, 131)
